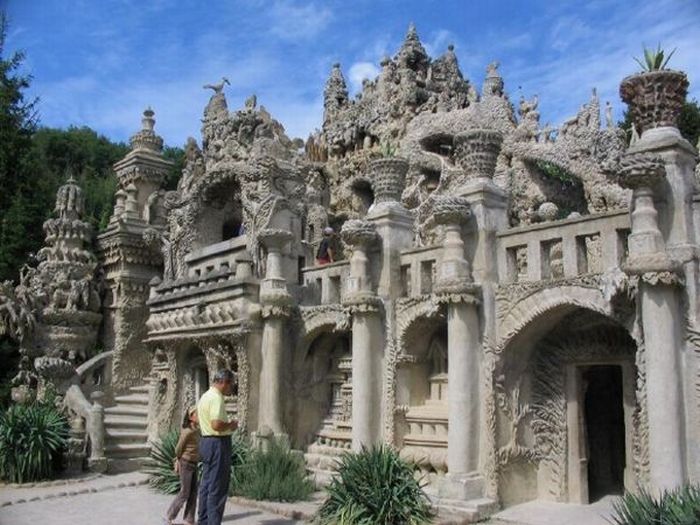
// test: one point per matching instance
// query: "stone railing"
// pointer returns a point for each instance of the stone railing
(90, 419)
(221, 257)
(563, 249)
(324, 284)
(96, 375)
(418, 270)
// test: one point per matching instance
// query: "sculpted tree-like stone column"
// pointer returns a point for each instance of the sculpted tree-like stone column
(455, 287)
(276, 303)
(660, 315)
(366, 336)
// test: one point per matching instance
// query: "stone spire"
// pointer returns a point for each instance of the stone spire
(335, 94)
(146, 138)
(412, 54)
(70, 201)
(493, 84)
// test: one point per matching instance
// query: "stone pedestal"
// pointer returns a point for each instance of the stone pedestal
(367, 336)
(276, 303)
(658, 276)
(455, 288)
(366, 375)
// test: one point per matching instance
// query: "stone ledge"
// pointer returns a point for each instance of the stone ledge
(300, 510)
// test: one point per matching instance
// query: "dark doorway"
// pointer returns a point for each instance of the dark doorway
(605, 431)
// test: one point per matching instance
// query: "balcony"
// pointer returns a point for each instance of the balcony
(563, 249)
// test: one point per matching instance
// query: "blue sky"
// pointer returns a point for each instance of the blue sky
(101, 62)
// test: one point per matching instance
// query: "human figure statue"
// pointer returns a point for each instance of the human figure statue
(218, 88)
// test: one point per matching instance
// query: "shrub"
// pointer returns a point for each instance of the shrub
(676, 507)
(160, 464)
(32, 440)
(375, 486)
(276, 474)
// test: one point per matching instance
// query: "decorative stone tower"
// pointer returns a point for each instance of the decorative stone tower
(64, 292)
(335, 95)
(128, 263)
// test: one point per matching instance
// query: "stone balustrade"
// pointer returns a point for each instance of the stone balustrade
(219, 257)
(419, 269)
(324, 284)
(563, 249)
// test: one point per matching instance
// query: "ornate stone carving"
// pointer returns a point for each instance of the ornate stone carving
(359, 233)
(451, 210)
(389, 175)
(476, 152)
(655, 98)
(641, 170)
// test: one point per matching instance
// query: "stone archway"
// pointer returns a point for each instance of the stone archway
(420, 423)
(549, 444)
(323, 395)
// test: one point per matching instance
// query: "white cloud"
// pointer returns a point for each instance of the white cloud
(292, 21)
(360, 71)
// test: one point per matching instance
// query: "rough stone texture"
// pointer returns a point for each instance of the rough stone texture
(484, 265)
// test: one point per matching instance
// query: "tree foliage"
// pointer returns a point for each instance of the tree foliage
(688, 123)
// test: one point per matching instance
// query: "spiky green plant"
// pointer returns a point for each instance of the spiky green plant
(160, 465)
(375, 486)
(388, 149)
(240, 455)
(654, 60)
(32, 439)
(676, 507)
(275, 474)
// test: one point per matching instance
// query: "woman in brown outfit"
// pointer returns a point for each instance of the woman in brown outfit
(187, 457)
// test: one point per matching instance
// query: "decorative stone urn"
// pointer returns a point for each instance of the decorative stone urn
(388, 177)
(360, 235)
(476, 152)
(655, 98)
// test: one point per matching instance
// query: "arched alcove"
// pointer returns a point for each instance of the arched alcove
(568, 415)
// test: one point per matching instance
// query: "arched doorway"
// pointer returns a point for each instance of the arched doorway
(422, 389)
(569, 417)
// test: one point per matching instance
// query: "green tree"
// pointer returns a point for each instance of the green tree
(688, 122)
(18, 118)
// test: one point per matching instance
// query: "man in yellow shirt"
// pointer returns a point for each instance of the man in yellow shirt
(215, 449)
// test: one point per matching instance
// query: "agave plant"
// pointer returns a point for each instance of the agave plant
(388, 149)
(654, 60)
(275, 474)
(375, 486)
(32, 438)
(160, 464)
(676, 507)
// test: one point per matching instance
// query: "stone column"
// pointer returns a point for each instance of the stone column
(276, 305)
(455, 288)
(658, 280)
(365, 307)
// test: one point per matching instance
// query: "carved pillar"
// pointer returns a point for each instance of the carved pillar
(276, 303)
(455, 288)
(660, 321)
(367, 339)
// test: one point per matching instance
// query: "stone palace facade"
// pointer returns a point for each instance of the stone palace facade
(513, 307)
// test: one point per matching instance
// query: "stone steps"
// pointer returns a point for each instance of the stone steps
(126, 436)
(136, 399)
(126, 424)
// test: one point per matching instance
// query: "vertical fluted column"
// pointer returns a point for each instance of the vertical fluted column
(365, 307)
(658, 280)
(456, 289)
(276, 303)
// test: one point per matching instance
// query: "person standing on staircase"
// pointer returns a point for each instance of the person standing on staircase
(215, 449)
